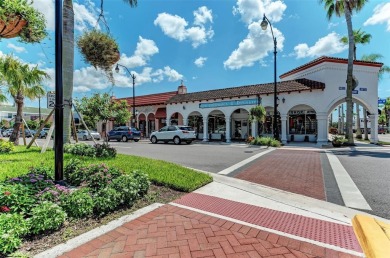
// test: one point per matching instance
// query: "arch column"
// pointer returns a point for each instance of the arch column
(374, 128)
(185, 120)
(146, 128)
(228, 131)
(168, 121)
(322, 129)
(205, 129)
(283, 120)
(254, 126)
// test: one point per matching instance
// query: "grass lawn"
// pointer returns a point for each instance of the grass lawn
(160, 172)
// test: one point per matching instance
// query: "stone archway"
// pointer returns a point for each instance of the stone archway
(151, 124)
(195, 120)
(240, 125)
(176, 119)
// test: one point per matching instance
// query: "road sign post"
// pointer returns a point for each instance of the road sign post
(51, 99)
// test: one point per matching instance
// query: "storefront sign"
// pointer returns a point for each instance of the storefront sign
(363, 89)
(341, 88)
(229, 103)
(355, 92)
(301, 112)
(381, 101)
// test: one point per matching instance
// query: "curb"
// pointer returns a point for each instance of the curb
(373, 236)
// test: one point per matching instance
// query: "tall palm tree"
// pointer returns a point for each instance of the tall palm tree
(21, 81)
(68, 59)
(360, 37)
(345, 8)
(384, 69)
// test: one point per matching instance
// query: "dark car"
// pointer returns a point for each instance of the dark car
(124, 133)
(382, 130)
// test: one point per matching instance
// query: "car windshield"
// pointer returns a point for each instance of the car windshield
(186, 128)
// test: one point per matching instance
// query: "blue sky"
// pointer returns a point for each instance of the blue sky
(207, 44)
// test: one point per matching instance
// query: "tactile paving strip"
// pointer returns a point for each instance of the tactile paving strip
(309, 228)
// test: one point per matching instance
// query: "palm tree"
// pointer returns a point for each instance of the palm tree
(339, 8)
(21, 81)
(384, 69)
(68, 58)
(360, 37)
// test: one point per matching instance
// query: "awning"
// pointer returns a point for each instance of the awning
(161, 113)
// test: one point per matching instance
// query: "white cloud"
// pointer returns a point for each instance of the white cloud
(16, 48)
(199, 62)
(85, 15)
(145, 49)
(331, 25)
(174, 26)
(254, 47)
(328, 45)
(253, 10)
(381, 15)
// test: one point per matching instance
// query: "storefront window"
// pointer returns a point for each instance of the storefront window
(302, 122)
(268, 126)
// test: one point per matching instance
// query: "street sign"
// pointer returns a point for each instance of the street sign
(51, 99)
(355, 92)
(341, 88)
(381, 101)
(363, 89)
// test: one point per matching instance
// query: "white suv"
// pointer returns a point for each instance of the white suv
(175, 133)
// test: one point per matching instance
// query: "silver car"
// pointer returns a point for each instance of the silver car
(84, 135)
(8, 132)
(175, 133)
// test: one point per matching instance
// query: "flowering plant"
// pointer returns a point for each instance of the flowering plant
(100, 176)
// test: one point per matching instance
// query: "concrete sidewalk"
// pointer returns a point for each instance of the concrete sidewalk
(226, 218)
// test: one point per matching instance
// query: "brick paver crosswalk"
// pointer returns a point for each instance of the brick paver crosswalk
(289, 170)
(170, 231)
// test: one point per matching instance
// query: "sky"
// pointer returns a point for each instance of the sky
(207, 44)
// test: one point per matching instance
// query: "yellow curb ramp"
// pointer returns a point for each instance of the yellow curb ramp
(373, 236)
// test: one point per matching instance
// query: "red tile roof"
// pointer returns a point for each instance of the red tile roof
(323, 59)
(148, 100)
(250, 90)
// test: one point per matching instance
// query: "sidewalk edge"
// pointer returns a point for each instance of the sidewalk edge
(371, 236)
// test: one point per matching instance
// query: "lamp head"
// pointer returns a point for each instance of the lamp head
(117, 68)
(264, 23)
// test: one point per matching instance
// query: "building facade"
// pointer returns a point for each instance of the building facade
(307, 96)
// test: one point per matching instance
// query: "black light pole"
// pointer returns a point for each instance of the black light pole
(133, 122)
(59, 108)
(264, 25)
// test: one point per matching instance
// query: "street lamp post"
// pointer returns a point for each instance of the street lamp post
(133, 120)
(264, 25)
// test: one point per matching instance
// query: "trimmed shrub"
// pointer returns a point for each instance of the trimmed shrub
(106, 200)
(46, 216)
(265, 141)
(78, 204)
(143, 182)
(16, 198)
(99, 176)
(80, 149)
(6, 146)
(9, 242)
(74, 173)
(105, 151)
(128, 188)
(14, 224)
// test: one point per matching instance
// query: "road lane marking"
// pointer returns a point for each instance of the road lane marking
(229, 170)
(350, 193)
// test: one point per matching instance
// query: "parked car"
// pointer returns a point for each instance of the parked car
(175, 133)
(381, 130)
(44, 133)
(84, 135)
(27, 133)
(7, 132)
(124, 133)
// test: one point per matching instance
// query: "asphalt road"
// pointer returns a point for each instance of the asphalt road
(370, 170)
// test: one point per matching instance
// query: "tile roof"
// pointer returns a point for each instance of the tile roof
(323, 59)
(152, 99)
(250, 90)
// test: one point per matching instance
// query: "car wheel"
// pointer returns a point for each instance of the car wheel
(189, 142)
(136, 140)
(153, 139)
(176, 140)
(124, 138)
(84, 137)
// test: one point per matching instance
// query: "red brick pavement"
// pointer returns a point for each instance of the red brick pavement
(290, 170)
(171, 232)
